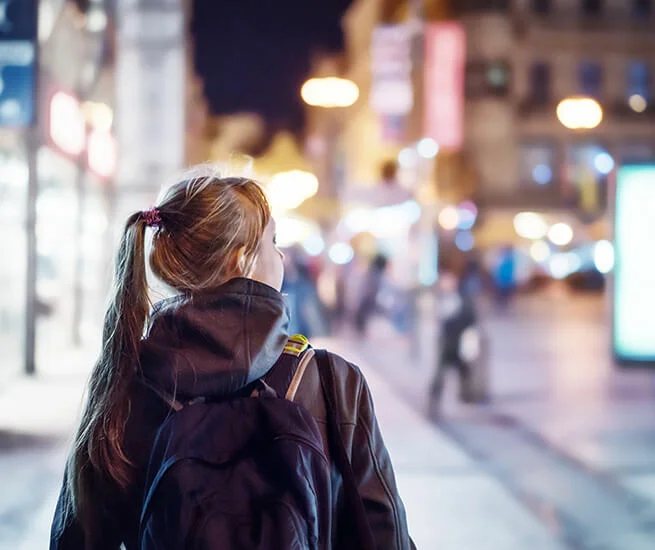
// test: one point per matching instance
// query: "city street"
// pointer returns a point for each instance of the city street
(567, 434)
(563, 457)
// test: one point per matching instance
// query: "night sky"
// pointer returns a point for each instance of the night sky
(254, 55)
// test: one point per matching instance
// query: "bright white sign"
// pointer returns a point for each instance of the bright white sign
(634, 286)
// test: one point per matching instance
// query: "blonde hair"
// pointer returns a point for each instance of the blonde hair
(209, 231)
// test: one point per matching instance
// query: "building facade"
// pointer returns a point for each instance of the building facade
(523, 58)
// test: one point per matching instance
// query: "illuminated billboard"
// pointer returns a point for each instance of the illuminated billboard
(445, 58)
(634, 274)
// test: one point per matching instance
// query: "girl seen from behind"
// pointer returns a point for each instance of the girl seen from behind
(218, 339)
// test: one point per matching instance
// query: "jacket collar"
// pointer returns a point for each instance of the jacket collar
(215, 343)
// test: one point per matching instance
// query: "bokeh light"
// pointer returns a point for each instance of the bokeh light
(580, 113)
(540, 251)
(530, 225)
(341, 253)
(604, 256)
(560, 234)
(449, 218)
(638, 103)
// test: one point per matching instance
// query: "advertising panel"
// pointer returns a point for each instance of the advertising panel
(634, 271)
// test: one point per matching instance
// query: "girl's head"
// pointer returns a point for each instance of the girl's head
(214, 229)
(207, 230)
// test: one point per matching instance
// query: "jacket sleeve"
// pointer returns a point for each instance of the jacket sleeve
(67, 533)
(377, 484)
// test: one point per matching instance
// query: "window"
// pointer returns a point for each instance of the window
(541, 7)
(540, 83)
(497, 78)
(590, 78)
(537, 166)
(592, 7)
(642, 8)
(639, 83)
(586, 171)
(487, 78)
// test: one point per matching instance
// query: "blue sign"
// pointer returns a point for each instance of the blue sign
(18, 62)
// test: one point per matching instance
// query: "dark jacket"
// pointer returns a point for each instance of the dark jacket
(213, 345)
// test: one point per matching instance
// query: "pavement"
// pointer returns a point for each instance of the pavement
(567, 434)
(563, 457)
(37, 419)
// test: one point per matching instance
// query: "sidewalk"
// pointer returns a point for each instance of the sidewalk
(37, 419)
(452, 503)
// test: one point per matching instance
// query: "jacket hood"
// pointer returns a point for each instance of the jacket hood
(214, 344)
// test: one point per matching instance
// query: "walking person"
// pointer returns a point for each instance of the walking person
(370, 292)
(461, 343)
(205, 425)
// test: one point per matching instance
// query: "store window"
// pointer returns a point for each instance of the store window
(13, 251)
(537, 168)
(590, 77)
(59, 283)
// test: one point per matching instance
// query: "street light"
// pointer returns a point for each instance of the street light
(580, 113)
(288, 190)
(329, 92)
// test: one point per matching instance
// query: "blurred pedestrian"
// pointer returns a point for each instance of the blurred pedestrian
(185, 402)
(460, 339)
(307, 314)
(504, 276)
(370, 292)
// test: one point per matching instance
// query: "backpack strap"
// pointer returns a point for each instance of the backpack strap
(300, 371)
(355, 521)
(285, 376)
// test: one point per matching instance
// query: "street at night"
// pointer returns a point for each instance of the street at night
(562, 457)
(455, 199)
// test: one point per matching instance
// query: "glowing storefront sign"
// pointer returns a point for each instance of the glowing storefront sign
(67, 124)
(391, 91)
(445, 54)
(634, 280)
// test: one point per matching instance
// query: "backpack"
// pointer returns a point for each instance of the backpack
(250, 472)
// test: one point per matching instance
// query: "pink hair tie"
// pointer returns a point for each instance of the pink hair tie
(151, 217)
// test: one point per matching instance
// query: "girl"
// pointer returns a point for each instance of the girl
(214, 244)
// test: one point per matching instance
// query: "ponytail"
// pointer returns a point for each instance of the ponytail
(98, 451)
